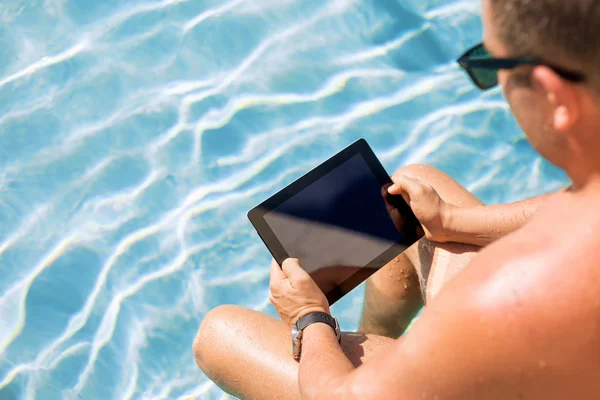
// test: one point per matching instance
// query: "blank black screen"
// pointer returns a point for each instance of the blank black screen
(338, 224)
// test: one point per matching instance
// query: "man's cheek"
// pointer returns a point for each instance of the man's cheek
(503, 77)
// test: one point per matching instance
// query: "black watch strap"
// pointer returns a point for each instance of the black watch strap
(314, 317)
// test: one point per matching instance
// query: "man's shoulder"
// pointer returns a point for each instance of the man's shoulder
(543, 278)
(548, 263)
(540, 267)
(518, 328)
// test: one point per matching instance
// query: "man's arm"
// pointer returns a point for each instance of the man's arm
(323, 365)
(496, 340)
(482, 225)
(444, 221)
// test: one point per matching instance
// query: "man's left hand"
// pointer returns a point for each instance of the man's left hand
(294, 293)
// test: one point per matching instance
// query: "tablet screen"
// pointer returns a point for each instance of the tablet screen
(340, 224)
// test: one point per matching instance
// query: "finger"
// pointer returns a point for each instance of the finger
(276, 273)
(404, 184)
(386, 198)
(385, 191)
(400, 182)
(292, 269)
(398, 187)
(397, 190)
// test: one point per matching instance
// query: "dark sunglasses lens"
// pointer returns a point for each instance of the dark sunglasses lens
(483, 78)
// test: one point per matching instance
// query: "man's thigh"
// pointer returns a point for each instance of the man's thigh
(249, 354)
(437, 263)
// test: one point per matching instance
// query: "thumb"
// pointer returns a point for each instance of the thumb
(276, 273)
(291, 267)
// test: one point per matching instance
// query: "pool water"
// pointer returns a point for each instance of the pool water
(135, 135)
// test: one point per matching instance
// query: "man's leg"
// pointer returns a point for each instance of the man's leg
(249, 354)
(394, 295)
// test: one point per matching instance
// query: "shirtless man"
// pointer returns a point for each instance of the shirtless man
(522, 319)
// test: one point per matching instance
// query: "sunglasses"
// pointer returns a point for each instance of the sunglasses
(483, 68)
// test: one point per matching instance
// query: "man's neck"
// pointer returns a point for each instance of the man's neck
(582, 166)
(586, 183)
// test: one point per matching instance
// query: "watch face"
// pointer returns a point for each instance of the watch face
(338, 332)
(296, 342)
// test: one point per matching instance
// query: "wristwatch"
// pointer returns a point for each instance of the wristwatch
(307, 320)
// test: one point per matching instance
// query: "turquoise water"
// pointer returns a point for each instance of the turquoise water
(135, 135)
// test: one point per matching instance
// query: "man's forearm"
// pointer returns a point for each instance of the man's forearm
(324, 368)
(482, 225)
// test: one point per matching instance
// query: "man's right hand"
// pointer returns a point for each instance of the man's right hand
(427, 205)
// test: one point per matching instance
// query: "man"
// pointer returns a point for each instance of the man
(522, 319)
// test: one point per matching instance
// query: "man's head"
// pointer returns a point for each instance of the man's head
(561, 118)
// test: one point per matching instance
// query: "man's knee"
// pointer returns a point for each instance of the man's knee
(211, 337)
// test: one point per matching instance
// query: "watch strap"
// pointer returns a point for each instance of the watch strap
(317, 316)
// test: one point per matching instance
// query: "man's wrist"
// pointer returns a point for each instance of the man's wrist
(448, 216)
(312, 310)
(319, 330)
(306, 325)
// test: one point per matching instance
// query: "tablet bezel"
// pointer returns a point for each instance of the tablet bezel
(256, 215)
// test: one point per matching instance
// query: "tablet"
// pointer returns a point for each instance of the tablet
(338, 220)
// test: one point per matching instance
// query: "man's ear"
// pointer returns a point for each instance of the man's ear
(562, 97)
